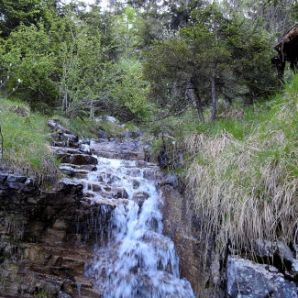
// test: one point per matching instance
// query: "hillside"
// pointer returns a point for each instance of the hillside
(243, 173)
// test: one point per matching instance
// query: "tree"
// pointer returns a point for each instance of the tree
(215, 55)
(211, 56)
(27, 59)
(27, 12)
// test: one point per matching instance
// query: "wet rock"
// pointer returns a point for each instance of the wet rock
(38, 231)
(16, 182)
(140, 198)
(135, 184)
(163, 158)
(178, 221)
(61, 135)
(88, 168)
(16, 179)
(70, 186)
(114, 193)
(63, 295)
(60, 225)
(152, 174)
(73, 172)
(68, 140)
(94, 187)
(85, 148)
(133, 172)
(3, 177)
(130, 150)
(65, 150)
(78, 159)
(251, 280)
(119, 193)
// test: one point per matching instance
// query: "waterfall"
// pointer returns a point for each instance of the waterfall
(139, 261)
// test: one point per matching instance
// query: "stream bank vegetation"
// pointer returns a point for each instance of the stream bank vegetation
(245, 185)
(25, 140)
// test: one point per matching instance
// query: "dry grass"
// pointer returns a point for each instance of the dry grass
(247, 189)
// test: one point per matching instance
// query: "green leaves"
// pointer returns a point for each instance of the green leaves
(131, 89)
(26, 58)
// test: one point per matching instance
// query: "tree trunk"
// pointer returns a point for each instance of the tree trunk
(92, 112)
(1, 144)
(193, 95)
(213, 99)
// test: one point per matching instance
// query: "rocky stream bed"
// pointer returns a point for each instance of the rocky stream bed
(105, 230)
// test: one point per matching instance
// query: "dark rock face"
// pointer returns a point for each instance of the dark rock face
(180, 224)
(38, 233)
(47, 237)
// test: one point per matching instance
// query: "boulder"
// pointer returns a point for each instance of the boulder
(278, 254)
(247, 279)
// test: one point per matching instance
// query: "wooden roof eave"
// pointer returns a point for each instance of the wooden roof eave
(287, 37)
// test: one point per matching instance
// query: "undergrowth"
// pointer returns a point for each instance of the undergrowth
(243, 174)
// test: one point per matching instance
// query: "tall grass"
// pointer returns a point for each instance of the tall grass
(26, 148)
(245, 186)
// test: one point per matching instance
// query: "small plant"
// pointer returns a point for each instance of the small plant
(42, 293)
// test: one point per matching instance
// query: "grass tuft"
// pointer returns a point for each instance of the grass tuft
(26, 148)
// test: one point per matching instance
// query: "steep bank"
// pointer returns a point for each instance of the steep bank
(240, 206)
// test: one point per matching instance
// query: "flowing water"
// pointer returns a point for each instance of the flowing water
(139, 261)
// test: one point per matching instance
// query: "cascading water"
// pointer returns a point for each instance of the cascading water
(139, 261)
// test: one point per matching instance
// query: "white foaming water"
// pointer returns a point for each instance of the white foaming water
(139, 262)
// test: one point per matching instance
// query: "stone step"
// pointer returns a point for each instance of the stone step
(72, 172)
(65, 150)
(107, 202)
(116, 150)
(77, 159)
(89, 168)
